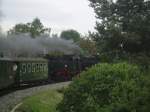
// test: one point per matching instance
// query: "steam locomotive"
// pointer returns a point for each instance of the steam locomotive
(20, 71)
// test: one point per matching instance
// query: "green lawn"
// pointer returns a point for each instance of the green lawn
(45, 101)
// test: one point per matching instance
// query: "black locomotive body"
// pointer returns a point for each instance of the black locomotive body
(63, 68)
(25, 71)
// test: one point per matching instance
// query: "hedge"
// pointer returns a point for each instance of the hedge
(108, 88)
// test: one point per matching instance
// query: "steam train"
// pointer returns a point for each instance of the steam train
(20, 71)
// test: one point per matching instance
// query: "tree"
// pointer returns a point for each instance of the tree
(70, 35)
(88, 45)
(123, 26)
(35, 28)
(19, 28)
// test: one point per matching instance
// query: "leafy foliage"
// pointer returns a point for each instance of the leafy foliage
(35, 28)
(70, 35)
(123, 26)
(88, 46)
(108, 88)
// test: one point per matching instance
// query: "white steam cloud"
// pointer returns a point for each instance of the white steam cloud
(24, 45)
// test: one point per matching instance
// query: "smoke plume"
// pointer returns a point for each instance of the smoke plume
(24, 45)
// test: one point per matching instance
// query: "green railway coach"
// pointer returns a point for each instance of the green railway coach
(21, 71)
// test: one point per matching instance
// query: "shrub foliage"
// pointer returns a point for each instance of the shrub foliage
(108, 88)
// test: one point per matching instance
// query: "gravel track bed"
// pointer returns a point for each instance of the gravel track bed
(9, 101)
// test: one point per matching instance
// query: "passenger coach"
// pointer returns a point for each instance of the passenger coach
(22, 71)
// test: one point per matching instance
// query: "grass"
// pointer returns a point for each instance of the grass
(45, 101)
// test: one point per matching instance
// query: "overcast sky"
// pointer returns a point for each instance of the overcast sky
(57, 14)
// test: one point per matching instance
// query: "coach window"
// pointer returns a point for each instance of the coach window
(29, 67)
(45, 67)
(37, 67)
(23, 68)
(41, 68)
(33, 68)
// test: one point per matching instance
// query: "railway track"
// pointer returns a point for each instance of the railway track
(24, 86)
(10, 100)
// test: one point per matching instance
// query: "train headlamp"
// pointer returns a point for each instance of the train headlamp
(15, 67)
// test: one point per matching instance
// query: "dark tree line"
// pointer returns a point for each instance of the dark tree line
(123, 27)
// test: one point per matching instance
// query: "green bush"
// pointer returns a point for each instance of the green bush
(108, 88)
